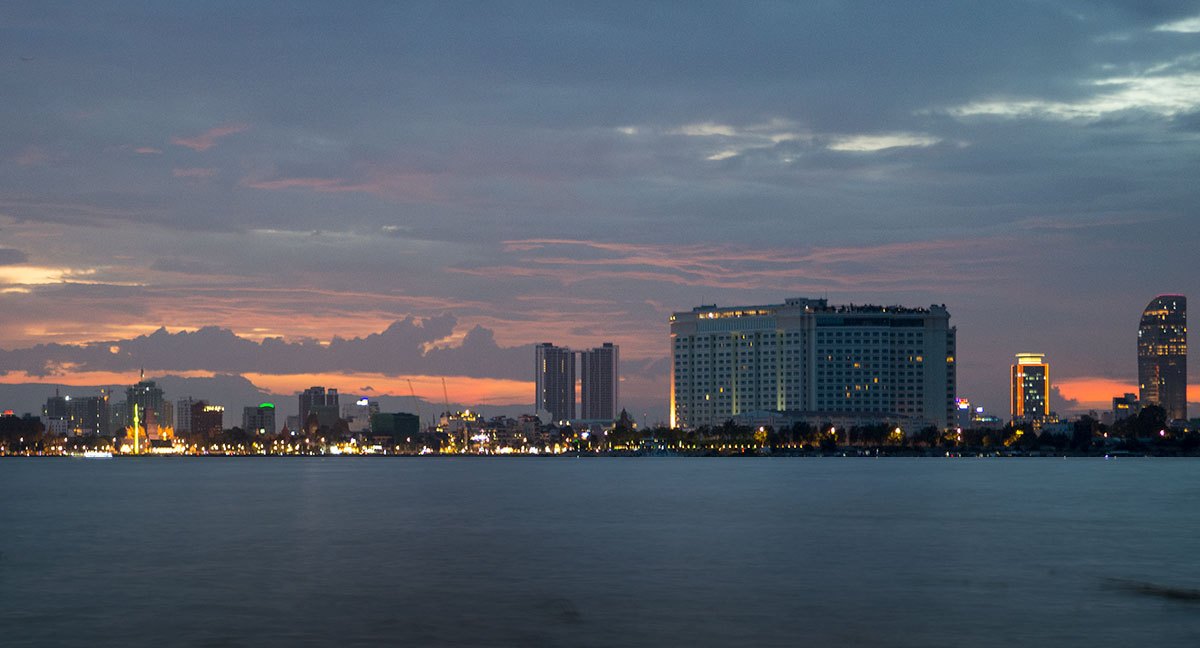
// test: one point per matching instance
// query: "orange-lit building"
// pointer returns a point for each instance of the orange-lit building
(1030, 388)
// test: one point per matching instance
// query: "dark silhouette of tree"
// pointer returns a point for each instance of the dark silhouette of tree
(929, 435)
(22, 433)
(1084, 432)
(828, 443)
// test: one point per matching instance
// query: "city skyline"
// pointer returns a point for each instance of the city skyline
(364, 199)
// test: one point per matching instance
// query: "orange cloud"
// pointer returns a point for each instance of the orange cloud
(27, 275)
(147, 149)
(66, 376)
(459, 389)
(1097, 393)
(207, 140)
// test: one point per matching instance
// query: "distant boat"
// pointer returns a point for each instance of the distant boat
(96, 454)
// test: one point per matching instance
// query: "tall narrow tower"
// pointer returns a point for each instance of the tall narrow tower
(599, 382)
(555, 377)
(1162, 355)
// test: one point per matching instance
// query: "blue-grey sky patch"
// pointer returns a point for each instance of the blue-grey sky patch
(573, 172)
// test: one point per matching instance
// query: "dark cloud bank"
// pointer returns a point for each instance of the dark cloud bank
(9, 256)
(398, 350)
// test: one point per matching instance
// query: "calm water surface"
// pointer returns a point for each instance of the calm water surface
(597, 552)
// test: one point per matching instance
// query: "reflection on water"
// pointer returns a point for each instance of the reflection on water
(599, 552)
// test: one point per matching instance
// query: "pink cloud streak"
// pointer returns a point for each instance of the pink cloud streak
(380, 182)
(207, 140)
(887, 265)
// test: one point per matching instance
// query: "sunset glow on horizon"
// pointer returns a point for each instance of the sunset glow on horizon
(1035, 176)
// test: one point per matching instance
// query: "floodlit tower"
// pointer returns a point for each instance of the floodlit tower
(1030, 387)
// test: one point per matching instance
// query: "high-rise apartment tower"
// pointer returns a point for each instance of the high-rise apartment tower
(599, 382)
(555, 378)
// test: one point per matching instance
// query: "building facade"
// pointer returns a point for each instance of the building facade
(259, 420)
(402, 427)
(208, 421)
(89, 415)
(868, 363)
(1162, 355)
(1125, 406)
(147, 398)
(183, 416)
(324, 403)
(357, 415)
(555, 381)
(599, 378)
(1029, 388)
(86, 415)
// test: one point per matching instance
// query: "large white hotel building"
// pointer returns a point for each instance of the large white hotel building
(809, 359)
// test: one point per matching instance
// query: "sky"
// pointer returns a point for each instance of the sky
(382, 194)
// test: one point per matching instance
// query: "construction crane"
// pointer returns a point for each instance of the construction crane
(416, 404)
(449, 417)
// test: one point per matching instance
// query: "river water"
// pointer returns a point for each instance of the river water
(599, 552)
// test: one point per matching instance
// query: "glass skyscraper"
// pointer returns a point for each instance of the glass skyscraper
(1162, 355)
